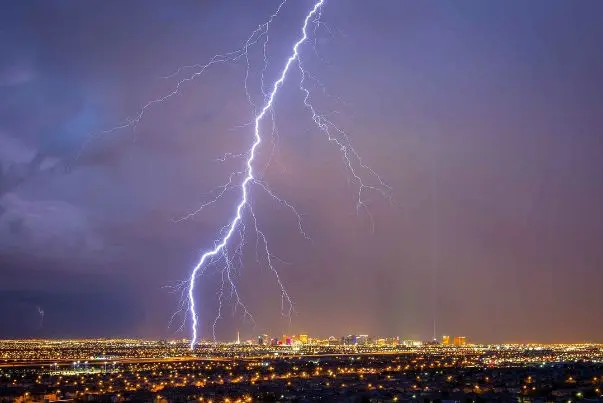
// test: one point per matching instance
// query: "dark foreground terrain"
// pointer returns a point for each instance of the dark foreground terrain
(435, 374)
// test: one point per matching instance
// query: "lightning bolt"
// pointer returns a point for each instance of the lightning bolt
(248, 178)
(224, 249)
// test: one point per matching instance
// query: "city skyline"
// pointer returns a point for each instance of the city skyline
(32, 371)
(282, 339)
(485, 120)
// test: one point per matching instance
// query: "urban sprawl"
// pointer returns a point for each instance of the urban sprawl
(354, 368)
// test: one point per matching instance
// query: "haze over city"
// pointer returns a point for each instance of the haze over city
(484, 118)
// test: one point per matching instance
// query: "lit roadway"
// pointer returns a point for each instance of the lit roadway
(62, 364)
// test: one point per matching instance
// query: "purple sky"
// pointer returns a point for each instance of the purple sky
(486, 118)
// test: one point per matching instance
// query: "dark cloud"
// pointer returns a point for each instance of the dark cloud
(77, 305)
(45, 228)
(486, 119)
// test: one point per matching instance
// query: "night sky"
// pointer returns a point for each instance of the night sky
(485, 117)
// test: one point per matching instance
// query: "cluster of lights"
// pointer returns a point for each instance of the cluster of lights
(413, 373)
(81, 355)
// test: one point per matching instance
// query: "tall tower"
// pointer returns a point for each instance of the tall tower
(238, 338)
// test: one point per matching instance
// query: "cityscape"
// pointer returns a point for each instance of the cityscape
(301, 201)
(350, 368)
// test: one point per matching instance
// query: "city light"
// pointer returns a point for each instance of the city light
(64, 369)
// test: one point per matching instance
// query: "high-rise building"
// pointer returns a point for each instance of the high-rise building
(263, 340)
(460, 340)
(445, 340)
(303, 338)
(412, 343)
(349, 340)
(362, 339)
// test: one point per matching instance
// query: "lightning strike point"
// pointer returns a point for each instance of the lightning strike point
(248, 179)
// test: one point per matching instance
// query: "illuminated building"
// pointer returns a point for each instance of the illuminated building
(412, 343)
(349, 340)
(333, 341)
(362, 339)
(393, 341)
(460, 340)
(445, 340)
(303, 338)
